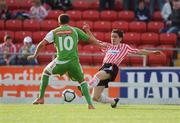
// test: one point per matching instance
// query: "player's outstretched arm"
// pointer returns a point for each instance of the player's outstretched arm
(97, 42)
(146, 52)
(92, 37)
(38, 49)
(88, 31)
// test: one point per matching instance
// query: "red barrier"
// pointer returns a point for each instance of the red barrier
(34, 73)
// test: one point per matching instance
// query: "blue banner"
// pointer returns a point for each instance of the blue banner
(151, 76)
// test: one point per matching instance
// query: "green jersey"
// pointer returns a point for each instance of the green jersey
(65, 39)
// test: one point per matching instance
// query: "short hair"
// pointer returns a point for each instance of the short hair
(63, 19)
(6, 37)
(141, 1)
(119, 32)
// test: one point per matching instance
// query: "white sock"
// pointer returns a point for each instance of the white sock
(94, 82)
(105, 99)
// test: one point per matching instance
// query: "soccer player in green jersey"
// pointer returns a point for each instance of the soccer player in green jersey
(65, 39)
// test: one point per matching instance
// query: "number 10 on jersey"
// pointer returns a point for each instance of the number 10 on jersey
(66, 43)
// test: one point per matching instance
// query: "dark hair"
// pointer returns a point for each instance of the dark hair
(63, 19)
(6, 37)
(141, 1)
(119, 32)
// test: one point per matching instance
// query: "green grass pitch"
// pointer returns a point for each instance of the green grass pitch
(78, 113)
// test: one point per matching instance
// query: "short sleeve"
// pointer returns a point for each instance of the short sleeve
(49, 37)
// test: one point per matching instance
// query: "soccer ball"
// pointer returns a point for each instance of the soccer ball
(69, 95)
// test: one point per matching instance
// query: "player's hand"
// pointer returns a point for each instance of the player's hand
(103, 44)
(158, 53)
(86, 26)
(31, 57)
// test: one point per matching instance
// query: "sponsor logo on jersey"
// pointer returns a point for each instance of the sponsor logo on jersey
(64, 32)
(113, 51)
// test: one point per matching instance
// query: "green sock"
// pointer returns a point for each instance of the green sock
(85, 91)
(44, 83)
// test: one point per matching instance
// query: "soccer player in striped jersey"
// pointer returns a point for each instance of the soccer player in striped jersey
(65, 39)
(115, 52)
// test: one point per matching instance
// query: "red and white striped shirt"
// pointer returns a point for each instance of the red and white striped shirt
(116, 53)
(10, 48)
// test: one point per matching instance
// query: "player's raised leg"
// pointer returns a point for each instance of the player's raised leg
(100, 75)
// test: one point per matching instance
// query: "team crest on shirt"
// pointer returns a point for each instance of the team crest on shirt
(113, 52)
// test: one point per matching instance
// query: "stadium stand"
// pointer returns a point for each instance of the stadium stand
(13, 4)
(47, 25)
(154, 60)
(97, 60)
(123, 25)
(132, 38)
(108, 15)
(38, 36)
(155, 26)
(80, 23)
(75, 14)
(94, 5)
(99, 35)
(25, 4)
(137, 26)
(3, 33)
(84, 58)
(126, 15)
(169, 53)
(31, 25)
(136, 61)
(126, 61)
(44, 59)
(138, 34)
(107, 37)
(157, 16)
(72, 23)
(19, 36)
(92, 15)
(13, 25)
(50, 48)
(149, 38)
(2, 25)
(81, 5)
(146, 46)
(104, 26)
(18, 46)
(53, 14)
(168, 39)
